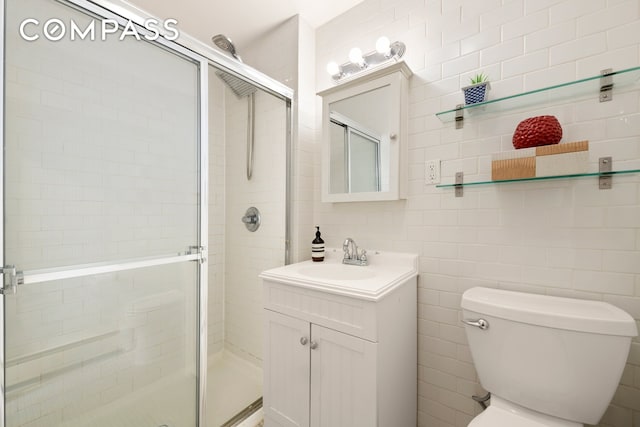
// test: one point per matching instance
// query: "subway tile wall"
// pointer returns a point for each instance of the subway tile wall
(249, 253)
(293, 63)
(216, 254)
(236, 255)
(563, 238)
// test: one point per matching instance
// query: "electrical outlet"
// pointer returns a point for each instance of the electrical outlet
(432, 171)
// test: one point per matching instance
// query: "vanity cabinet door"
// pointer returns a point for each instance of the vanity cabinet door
(286, 371)
(343, 379)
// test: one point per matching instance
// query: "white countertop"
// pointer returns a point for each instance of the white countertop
(386, 271)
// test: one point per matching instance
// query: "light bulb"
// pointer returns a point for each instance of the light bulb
(333, 68)
(383, 46)
(355, 56)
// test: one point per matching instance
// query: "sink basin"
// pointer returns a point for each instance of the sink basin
(336, 272)
(386, 271)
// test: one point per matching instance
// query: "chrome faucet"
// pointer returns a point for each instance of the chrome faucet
(352, 255)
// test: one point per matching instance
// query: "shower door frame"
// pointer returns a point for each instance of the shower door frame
(108, 10)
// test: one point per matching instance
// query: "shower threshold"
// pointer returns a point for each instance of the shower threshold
(237, 419)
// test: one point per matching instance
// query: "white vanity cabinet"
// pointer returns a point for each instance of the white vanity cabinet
(339, 353)
(317, 376)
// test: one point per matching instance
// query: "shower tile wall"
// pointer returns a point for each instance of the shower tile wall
(286, 54)
(93, 174)
(215, 332)
(561, 238)
(237, 256)
(246, 253)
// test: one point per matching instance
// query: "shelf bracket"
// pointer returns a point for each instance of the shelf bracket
(459, 116)
(605, 165)
(606, 85)
(459, 182)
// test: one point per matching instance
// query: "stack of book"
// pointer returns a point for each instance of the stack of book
(548, 160)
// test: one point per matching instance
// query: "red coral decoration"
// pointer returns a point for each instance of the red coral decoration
(537, 131)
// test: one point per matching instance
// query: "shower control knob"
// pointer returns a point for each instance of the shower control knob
(251, 219)
(304, 340)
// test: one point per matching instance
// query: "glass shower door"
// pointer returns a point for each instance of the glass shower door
(101, 225)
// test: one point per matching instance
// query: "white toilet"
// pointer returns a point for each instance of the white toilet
(547, 361)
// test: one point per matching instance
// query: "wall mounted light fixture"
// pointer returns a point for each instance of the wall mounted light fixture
(385, 52)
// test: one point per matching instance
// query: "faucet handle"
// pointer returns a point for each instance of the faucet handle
(363, 256)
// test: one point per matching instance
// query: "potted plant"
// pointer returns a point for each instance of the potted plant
(477, 90)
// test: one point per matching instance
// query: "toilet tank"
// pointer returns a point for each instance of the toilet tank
(559, 356)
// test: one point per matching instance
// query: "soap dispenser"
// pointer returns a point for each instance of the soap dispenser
(317, 247)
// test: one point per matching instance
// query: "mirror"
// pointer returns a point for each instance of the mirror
(359, 141)
(362, 128)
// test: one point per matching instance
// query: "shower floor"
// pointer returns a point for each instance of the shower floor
(232, 384)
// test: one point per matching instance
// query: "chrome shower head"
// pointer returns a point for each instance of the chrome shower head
(224, 43)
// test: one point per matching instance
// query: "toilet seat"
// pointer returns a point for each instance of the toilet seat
(502, 413)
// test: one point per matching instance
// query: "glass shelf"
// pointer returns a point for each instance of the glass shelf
(589, 86)
(541, 178)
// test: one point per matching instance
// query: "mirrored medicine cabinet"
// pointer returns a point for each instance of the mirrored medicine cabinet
(364, 132)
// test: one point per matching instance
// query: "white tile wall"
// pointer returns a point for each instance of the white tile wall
(246, 253)
(287, 53)
(306, 124)
(216, 250)
(562, 238)
(237, 256)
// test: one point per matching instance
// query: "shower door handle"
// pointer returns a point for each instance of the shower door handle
(10, 286)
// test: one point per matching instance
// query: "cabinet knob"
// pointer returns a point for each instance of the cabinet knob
(393, 136)
(304, 340)
(313, 345)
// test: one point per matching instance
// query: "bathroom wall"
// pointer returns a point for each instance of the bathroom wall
(217, 210)
(236, 256)
(287, 54)
(307, 128)
(562, 238)
(249, 253)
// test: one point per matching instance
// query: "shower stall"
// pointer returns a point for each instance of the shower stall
(248, 130)
(130, 293)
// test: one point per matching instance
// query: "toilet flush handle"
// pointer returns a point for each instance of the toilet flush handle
(479, 323)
